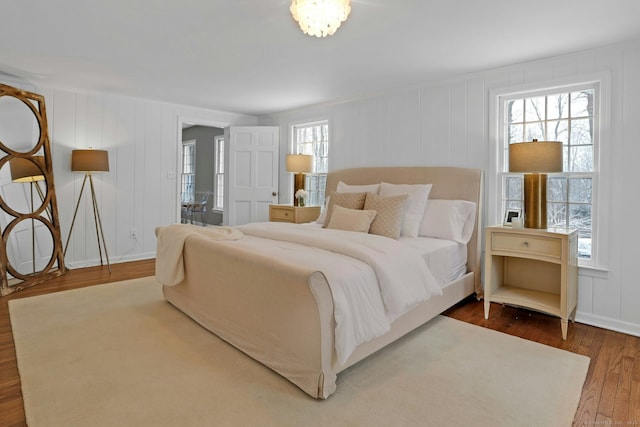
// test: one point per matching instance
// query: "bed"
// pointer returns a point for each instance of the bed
(272, 299)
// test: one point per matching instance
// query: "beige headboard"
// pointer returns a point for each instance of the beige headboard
(447, 183)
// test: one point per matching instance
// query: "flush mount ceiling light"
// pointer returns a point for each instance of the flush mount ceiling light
(320, 18)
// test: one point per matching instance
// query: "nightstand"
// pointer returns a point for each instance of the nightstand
(532, 268)
(295, 214)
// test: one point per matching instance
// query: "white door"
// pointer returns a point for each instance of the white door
(251, 166)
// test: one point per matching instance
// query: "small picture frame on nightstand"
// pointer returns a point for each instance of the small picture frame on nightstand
(510, 214)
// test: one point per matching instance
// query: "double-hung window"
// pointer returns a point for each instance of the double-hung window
(218, 203)
(569, 114)
(188, 182)
(313, 139)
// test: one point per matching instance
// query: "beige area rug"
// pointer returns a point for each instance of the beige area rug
(119, 355)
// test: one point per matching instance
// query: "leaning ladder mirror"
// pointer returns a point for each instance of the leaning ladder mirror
(31, 250)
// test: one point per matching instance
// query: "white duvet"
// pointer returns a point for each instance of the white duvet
(384, 279)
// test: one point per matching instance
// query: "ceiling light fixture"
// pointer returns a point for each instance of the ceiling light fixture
(320, 18)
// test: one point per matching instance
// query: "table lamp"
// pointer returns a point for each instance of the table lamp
(535, 159)
(90, 161)
(299, 164)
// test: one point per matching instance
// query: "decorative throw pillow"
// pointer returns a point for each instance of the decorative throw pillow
(348, 188)
(388, 221)
(351, 219)
(449, 219)
(346, 200)
(418, 195)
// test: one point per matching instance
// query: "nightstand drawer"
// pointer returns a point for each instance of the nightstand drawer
(527, 244)
(282, 214)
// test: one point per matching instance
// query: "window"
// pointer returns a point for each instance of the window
(219, 173)
(313, 139)
(570, 115)
(188, 189)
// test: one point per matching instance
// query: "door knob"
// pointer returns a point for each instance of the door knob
(274, 194)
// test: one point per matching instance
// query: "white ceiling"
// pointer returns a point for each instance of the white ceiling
(249, 56)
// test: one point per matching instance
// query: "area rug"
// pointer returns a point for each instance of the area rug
(120, 355)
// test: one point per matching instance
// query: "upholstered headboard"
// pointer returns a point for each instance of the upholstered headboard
(450, 183)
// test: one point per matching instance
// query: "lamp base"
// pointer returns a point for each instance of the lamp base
(535, 200)
(298, 183)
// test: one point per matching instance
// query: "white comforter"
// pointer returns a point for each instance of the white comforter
(389, 279)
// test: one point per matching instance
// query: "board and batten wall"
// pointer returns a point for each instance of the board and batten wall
(450, 122)
(140, 190)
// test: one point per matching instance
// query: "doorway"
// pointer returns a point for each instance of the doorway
(197, 160)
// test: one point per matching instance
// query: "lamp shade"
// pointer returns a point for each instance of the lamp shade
(299, 163)
(535, 156)
(25, 170)
(90, 161)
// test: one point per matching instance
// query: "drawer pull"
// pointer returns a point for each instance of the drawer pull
(525, 244)
(286, 214)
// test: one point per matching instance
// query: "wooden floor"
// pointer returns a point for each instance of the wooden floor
(611, 393)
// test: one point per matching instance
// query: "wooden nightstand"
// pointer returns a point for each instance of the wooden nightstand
(532, 268)
(295, 214)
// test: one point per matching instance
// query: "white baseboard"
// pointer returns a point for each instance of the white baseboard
(608, 323)
(116, 260)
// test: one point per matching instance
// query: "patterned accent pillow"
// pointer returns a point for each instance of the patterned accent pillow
(346, 200)
(418, 195)
(388, 221)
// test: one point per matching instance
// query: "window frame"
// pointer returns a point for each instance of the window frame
(319, 177)
(218, 177)
(192, 143)
(601, 153)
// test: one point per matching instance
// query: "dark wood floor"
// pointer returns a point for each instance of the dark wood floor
(611, 393)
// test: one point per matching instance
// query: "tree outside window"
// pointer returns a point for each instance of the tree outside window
(313, 139)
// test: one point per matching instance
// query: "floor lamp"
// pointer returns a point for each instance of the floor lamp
(90, 161)
(31, 171)
(299, 164)
(535, 159)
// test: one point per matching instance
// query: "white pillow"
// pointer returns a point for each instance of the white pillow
(449, 219)
(347, 188)
(351, 219)
(414, 211)
(323, 212)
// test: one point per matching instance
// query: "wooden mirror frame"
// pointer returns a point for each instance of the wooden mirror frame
(11, 280)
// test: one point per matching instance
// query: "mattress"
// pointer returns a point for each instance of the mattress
(446, 259)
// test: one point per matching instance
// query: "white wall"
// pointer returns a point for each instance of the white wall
(140, 190)
(448, 122)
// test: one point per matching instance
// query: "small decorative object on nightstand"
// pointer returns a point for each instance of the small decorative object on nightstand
(295, 214)
(532, 268)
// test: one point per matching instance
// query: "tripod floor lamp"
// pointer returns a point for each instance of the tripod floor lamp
(89, 161)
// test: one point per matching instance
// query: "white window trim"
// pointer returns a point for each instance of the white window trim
(182, 173)
(602, 157)
(292, 140)
(217, 141)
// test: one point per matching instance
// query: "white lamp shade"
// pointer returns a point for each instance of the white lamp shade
(535, 156)
(299, 163)
(90, 161)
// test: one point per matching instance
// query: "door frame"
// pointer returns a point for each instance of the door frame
(182, 120)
